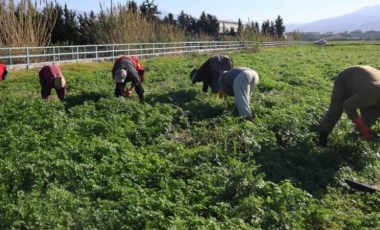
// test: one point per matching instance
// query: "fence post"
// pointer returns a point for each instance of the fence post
(113, 52)
(77, 53)
(96, 52)
(10, 56)
(72, 52)
(27, 58)
(54, 54)
(141, 51)
(58, 54)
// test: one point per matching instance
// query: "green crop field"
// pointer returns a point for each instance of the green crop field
(183, 160)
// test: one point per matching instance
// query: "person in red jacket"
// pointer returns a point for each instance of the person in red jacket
(3, 72)
(51, 77)
(128, 69)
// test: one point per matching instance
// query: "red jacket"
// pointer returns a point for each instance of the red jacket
(135, 75)
(47, 75)
(120, 63)
(3, 71)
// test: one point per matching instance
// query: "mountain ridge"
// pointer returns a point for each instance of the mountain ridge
(364, 19)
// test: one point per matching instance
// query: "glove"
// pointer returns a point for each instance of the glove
(221, 94)
(363, 128)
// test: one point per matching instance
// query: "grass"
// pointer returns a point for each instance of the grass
(183, 159)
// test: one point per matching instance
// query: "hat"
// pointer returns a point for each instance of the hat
(120, 75)
(59, 82)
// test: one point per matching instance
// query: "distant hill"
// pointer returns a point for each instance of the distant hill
(365, 19)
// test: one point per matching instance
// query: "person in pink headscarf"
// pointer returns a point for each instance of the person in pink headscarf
(51, 77)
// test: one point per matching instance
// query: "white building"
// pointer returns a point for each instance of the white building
(226, 26)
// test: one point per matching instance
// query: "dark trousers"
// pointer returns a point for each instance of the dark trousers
(119, 89)
(335, 110)
(46, 87)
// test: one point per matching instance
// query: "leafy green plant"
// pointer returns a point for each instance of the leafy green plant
(184, 159)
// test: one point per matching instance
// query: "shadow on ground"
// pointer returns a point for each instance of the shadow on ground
(309, 167)
(186, 100)
(74, 100)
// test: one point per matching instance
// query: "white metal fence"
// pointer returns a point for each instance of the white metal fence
(29, 57)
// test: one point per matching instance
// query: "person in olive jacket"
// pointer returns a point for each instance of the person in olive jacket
(355, 88)
(128, 69)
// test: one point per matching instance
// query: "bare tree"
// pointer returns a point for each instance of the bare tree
(119, 24)
(26, 24)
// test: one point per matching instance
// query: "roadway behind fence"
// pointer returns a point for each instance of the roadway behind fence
(30, 57)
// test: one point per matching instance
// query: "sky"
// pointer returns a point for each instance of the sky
(291, 11)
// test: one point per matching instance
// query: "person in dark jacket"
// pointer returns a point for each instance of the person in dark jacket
(355, 88)
(210, 70)
(3, 72)
(239, 82)
(128, 69)
(51, 77)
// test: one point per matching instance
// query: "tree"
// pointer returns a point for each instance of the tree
(279, 26)
(256, 27)
(232, 31)
(272, 29)
(132, 6)
(224, 29)
(170, 19)
(213, 27)
(202, 23)
(183, 20)
(149, 10)
(240, 27)
(193, 27)
(87, 28)
(66, 29)
(265, 28)
(57, 34)
(251, 31)
(71, 32)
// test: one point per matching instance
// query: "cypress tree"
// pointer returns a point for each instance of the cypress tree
(279, 25)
